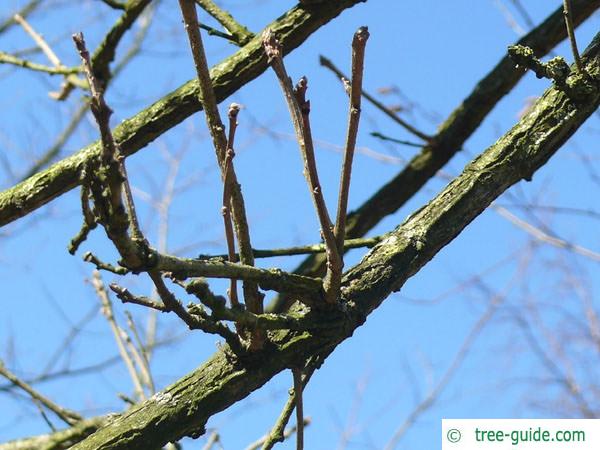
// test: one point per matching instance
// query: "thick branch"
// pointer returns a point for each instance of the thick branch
(183, 408)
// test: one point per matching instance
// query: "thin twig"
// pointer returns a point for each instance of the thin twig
(127, 297)
(303, 250)
(297, 374)
(39, 40)
(567, 11)
(383, 137)
(299, 110)
(70, 79)
(26, 10)
(213, 439)
(220, 312)
(227, 188)
(101, 265)
(544, 236)
(67, 416)
(107, 311)
(113, 163)
(144, 362)
(269, 279)
(194, 322)
(358, 58)
(6, 58)
(325, 62)
(252, 297)
(213, 32)
(239, 33)
(277, 433)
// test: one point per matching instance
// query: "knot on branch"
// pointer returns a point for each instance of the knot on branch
(271, 45)
(556, 69)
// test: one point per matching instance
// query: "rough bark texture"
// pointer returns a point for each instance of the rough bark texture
(183, 408)
(247, 63)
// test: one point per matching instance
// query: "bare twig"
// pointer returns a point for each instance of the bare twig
(219, 312)
(277, 433)
(101, 265)
(115, 178)
(213, 439)
(543, 236)
(214, 32)
(383, 137)
(39, 40)
(358, 58)
(127, 297)
(194, 322)
(6, 58)
(27, 9)
(567, 11)
(299, 110)
(252, 297)
(99, 107)
(143, 363)
(270, 279)
(67, 416)
(70, 79)
(227, 188)
(118, 334)
(303, 250)
(325, 62)
(297, 374)
(239, 33)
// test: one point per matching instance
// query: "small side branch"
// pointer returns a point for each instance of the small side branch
(118, 333)
(327, 63)
(239, 33)
(6, 58)
(227, 188)
(567, 11)
(556, 69)
(299, 110)
(298, 388)
(111, 180)
(277, 434)
(269, 279)
(198, 321)
(252, 296)
(303, 250)
(105, 53)
(67, 416)
(358, 58)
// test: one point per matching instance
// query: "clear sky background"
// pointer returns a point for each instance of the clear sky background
(428, 55)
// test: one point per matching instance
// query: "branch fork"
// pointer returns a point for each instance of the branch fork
(333, 234)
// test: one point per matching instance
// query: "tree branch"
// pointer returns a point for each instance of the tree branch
(452, 134)
(293, 28)
(183, 408)
(239, 33)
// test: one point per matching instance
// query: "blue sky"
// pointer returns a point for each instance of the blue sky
(433, 52)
